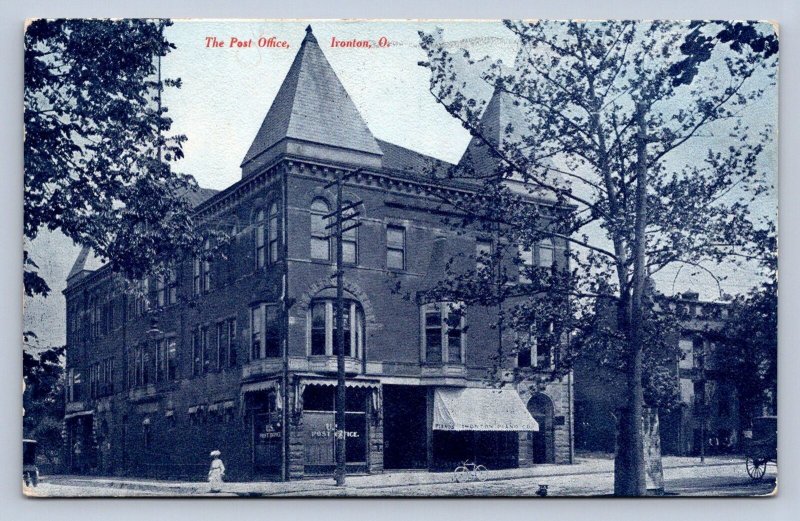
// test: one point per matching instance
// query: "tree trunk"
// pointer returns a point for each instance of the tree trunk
(629, 467)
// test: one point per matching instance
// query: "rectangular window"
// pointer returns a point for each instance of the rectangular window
(526, 256)
(147, 365)
(256, 326)
(232, 346)
(443, 339)
(260, 251)
(546, 253)
(161, 361)
(320, 241)
(206, 274)
(196, 265)
(433, 333)
(172, 359)
(318, 328)
(221, 345)
(345, 326)
(272, 336)
(161, 290)
(205, 341)
(349, 240)
(197, 354)
(172, 285)
(453, 327)
(544, 344)
(395, 247)
(273, 233)
(483, 253)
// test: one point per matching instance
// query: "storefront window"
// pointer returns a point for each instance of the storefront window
(319, 424)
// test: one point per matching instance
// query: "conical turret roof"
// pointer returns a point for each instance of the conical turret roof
(503, 123)
(313, 106)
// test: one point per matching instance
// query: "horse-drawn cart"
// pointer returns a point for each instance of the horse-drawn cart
(762, 446)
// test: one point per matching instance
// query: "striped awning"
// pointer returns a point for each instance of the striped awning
(332, 382)
(264, 385)
(474, 409)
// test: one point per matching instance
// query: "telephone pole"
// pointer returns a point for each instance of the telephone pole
(340, 219)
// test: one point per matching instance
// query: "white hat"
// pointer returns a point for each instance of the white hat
(215, 453)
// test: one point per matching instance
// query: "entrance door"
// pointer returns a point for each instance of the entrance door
(265, 424)
(404, 427)
(542, 441)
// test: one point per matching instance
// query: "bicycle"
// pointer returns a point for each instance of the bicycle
(469, 470)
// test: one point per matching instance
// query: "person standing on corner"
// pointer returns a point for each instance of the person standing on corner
(216, 472)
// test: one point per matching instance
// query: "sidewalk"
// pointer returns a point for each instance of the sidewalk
(61, 485)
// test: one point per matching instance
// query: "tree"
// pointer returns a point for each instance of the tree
(98, 153)
(43, 399)
(748, 342)
(611, 139)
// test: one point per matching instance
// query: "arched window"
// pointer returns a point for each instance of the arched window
(274, 232)
(546, 253)
(322, 328)
(260, 253)
(320, 240)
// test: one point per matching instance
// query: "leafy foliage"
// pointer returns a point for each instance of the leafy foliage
(749, 345)
(606, 149)
(97, 147)
(43, 399)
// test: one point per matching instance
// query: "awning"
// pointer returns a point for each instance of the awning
(265, 385)
(76, 414)
(333, 382)
(474, 409)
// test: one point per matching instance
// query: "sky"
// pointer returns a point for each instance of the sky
(226, 92)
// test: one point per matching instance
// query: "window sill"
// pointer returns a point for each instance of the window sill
(329, 364)
(443, 369)
(262, 366)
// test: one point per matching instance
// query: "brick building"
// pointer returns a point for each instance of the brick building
(708, 409)
(240, 354)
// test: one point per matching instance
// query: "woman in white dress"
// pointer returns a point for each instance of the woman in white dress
(216, 472)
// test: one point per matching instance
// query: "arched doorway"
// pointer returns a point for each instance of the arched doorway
(542, 442)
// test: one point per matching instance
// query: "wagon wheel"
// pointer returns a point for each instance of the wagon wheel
(756, 468)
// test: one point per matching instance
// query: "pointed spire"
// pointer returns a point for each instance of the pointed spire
(309, 35)
(312, 107)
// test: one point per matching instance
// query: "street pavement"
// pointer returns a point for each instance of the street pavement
(589, 476)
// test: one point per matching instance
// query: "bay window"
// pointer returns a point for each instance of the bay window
(535, 347)
(443, 333)
(322, 333)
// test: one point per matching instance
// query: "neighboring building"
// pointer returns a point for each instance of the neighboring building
(240, 354)
(708, 410)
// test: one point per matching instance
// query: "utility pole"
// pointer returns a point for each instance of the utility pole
(340, 437)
